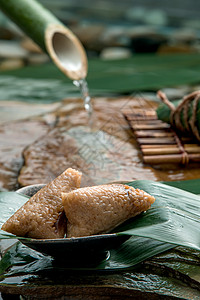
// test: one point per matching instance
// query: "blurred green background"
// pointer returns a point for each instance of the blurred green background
(132, 46)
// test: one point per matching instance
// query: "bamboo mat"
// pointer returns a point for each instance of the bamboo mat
(157, 140)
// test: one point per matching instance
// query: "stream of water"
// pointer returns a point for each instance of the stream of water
(83, 87)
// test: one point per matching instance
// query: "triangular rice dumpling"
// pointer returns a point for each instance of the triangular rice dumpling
(42, 215)
(99, 209)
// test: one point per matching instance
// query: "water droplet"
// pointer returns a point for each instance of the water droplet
(83, 86)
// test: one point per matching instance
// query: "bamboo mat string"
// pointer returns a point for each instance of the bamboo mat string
(185, 156)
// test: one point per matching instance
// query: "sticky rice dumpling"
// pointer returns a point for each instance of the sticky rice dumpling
(42, 215)
(99, 209)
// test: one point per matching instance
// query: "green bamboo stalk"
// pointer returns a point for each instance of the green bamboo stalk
(50, 34)
(31, 17)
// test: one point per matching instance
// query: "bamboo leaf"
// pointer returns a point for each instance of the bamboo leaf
(10, 202)
(186, 115)
(173, 218)
(138, 73)
(23, 260)
(22, 257)
(151, 231)
(192, 186)
(143, 72)
(134, 251)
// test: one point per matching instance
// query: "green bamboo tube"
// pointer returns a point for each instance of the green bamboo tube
(50, 34)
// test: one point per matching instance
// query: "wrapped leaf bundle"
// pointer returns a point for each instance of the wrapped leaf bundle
(183, 115)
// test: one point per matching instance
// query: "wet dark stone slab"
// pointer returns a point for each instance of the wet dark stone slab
(171, 275)
(105, 153)
(14, 138)
(60, 139)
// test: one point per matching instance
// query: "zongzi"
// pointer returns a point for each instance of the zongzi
(42, 215)
(183, 115)
(99, 209)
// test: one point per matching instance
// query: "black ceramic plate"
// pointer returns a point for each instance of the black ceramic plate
(95, 248)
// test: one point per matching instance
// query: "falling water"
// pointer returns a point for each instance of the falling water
(83, 86)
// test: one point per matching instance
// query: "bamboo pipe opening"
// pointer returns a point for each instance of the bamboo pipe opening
(66, 51)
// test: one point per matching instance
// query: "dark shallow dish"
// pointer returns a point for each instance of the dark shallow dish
(73, 250)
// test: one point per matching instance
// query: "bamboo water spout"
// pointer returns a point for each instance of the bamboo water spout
(50, 34)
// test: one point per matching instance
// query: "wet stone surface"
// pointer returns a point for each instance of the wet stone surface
(14, 137)
(40, 147)
(102, 153)
(158, 278)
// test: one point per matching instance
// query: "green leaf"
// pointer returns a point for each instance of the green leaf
(192, 186)
(134, 251)
(164, 114)
(143, 72)
(20, 259)
(163, 111)
(138, 73)
(173, 218)
(10, 202)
